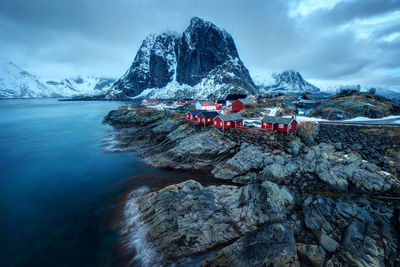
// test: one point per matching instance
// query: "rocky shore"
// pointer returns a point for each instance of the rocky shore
(327, 196)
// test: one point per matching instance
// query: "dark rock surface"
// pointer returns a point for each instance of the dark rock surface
(271, 245)
(152, 66)
(377, 145)
(187, 218)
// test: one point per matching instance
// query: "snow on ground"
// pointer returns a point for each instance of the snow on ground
(305, 118)
(273, 111)
(369, 119)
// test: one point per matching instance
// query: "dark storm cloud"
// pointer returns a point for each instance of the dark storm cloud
(346, 11)
(64, 38)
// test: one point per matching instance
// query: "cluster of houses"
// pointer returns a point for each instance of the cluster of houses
(209, 113)
(235, 120)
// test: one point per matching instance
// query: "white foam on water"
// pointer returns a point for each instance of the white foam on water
(135, 231)
(111, 145)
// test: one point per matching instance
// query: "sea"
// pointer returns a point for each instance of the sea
(64, 189)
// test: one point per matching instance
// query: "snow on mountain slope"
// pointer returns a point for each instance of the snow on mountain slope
(288, 81)
(201, 62)
(17, 83)
(80, 86)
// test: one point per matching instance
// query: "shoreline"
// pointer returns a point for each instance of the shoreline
(281, 170)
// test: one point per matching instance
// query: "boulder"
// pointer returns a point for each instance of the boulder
(312, 255)
(278, 172)
(249, 158)
(187, 218)
(326, 241)
(334, 176)
(278, 197)
(366, 180)
(190, 150)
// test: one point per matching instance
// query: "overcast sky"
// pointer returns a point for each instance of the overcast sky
(329, 42)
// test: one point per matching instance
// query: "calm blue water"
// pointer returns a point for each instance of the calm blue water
(58, 188)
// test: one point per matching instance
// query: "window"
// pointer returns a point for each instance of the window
(208, 119)
(228, 123)
(215, 122)
(220, 124)
(281, 125)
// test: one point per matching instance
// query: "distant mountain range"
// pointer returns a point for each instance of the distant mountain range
(18, 83)
(288, 81)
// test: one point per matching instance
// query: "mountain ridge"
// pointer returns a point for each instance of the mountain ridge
(18, 83)
(201, 62)
(287, 81)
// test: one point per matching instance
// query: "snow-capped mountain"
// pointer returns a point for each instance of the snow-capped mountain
(288, 81)
(86, 86)
(18, 83)
(201, 62)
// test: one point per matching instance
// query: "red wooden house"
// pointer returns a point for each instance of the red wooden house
(279, 124)
(240, 104)
(228, 121)
(207, 117)
(192, 116)
(180, 102)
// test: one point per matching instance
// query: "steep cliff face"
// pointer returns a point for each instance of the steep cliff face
(153, 67)
(203, 47)
(201, 62)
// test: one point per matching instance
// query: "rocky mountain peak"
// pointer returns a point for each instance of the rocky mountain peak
(287, 81)
(204, 59)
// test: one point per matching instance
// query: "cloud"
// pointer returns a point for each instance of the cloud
(333, 40)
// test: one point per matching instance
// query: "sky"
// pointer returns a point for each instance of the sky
(330, 42)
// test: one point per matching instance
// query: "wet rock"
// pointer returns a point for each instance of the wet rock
(271, 245)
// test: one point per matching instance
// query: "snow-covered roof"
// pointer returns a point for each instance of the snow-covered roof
(231, 117)
(273, 119)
